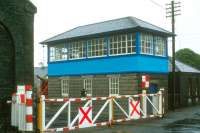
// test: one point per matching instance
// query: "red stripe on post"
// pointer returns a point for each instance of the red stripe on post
(142, 84)
(65, 129)
(29, 102)
(29, 118)
(28, 87)
(78, 100)
(65, 99)
(147, 77)
(22, 98)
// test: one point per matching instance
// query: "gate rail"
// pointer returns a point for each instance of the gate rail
(137, 109)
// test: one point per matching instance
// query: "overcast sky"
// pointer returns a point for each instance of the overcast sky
(57, 16)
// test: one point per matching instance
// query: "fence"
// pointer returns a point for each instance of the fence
(21, 108)
(88, 112)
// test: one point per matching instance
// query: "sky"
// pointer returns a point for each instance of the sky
(56, 16)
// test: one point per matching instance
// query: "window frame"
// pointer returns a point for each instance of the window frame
(90, 46)
(114, 86)
(65, 93)
(88, 87)
(116, 44)
(74, 48)
(145, 37)
(162, 43)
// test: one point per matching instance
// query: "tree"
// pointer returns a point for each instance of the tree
(188, 57)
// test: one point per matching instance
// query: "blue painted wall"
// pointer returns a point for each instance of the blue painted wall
(108, 65)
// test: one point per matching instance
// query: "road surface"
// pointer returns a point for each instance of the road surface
(185, 120)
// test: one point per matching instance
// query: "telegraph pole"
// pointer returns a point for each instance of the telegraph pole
(172, 10)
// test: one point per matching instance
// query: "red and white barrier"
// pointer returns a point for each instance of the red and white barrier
(86, 118)
(29, 108)
(145, 81)
(22, 110)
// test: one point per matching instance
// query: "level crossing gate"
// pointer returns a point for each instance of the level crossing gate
(87, 114)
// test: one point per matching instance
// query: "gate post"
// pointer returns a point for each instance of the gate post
(69, 114)
(41, 113)
(160, 103)
(111, 111)
(144, 103)
(29, 108)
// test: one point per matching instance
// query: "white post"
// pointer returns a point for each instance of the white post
(110, 110)
(43, 112)
(69, 115)
(160, 103)
(144, 104)
(197, 99)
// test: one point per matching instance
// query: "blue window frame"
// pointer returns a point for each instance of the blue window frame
(130, 43)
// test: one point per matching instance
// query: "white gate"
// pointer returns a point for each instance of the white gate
(139, 107)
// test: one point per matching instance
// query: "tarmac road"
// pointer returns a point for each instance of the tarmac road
(185, 120)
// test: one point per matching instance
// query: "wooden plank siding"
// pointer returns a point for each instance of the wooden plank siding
(187, 84)
(129, 84)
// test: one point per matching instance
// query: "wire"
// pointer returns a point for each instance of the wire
(157, 4)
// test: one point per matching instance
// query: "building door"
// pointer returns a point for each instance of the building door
(6, 76)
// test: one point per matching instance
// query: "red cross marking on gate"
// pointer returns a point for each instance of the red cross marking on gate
(85, 115)
(135, 107)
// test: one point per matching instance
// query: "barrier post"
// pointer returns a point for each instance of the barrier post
(111, 111)
(144, 104)
(69, 114)
(160, 103)
(21, 103)
(14, 111)
(41, 113)
(29, 108)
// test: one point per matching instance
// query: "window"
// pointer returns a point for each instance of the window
(88, 86)
(58, 52)
(160, 44)
(146, 44)
(131, 43)
(64, 53)
(65, 87)
(122, 44)
(52, 54)
(76, 50)
(114, 86)
(96, 47)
